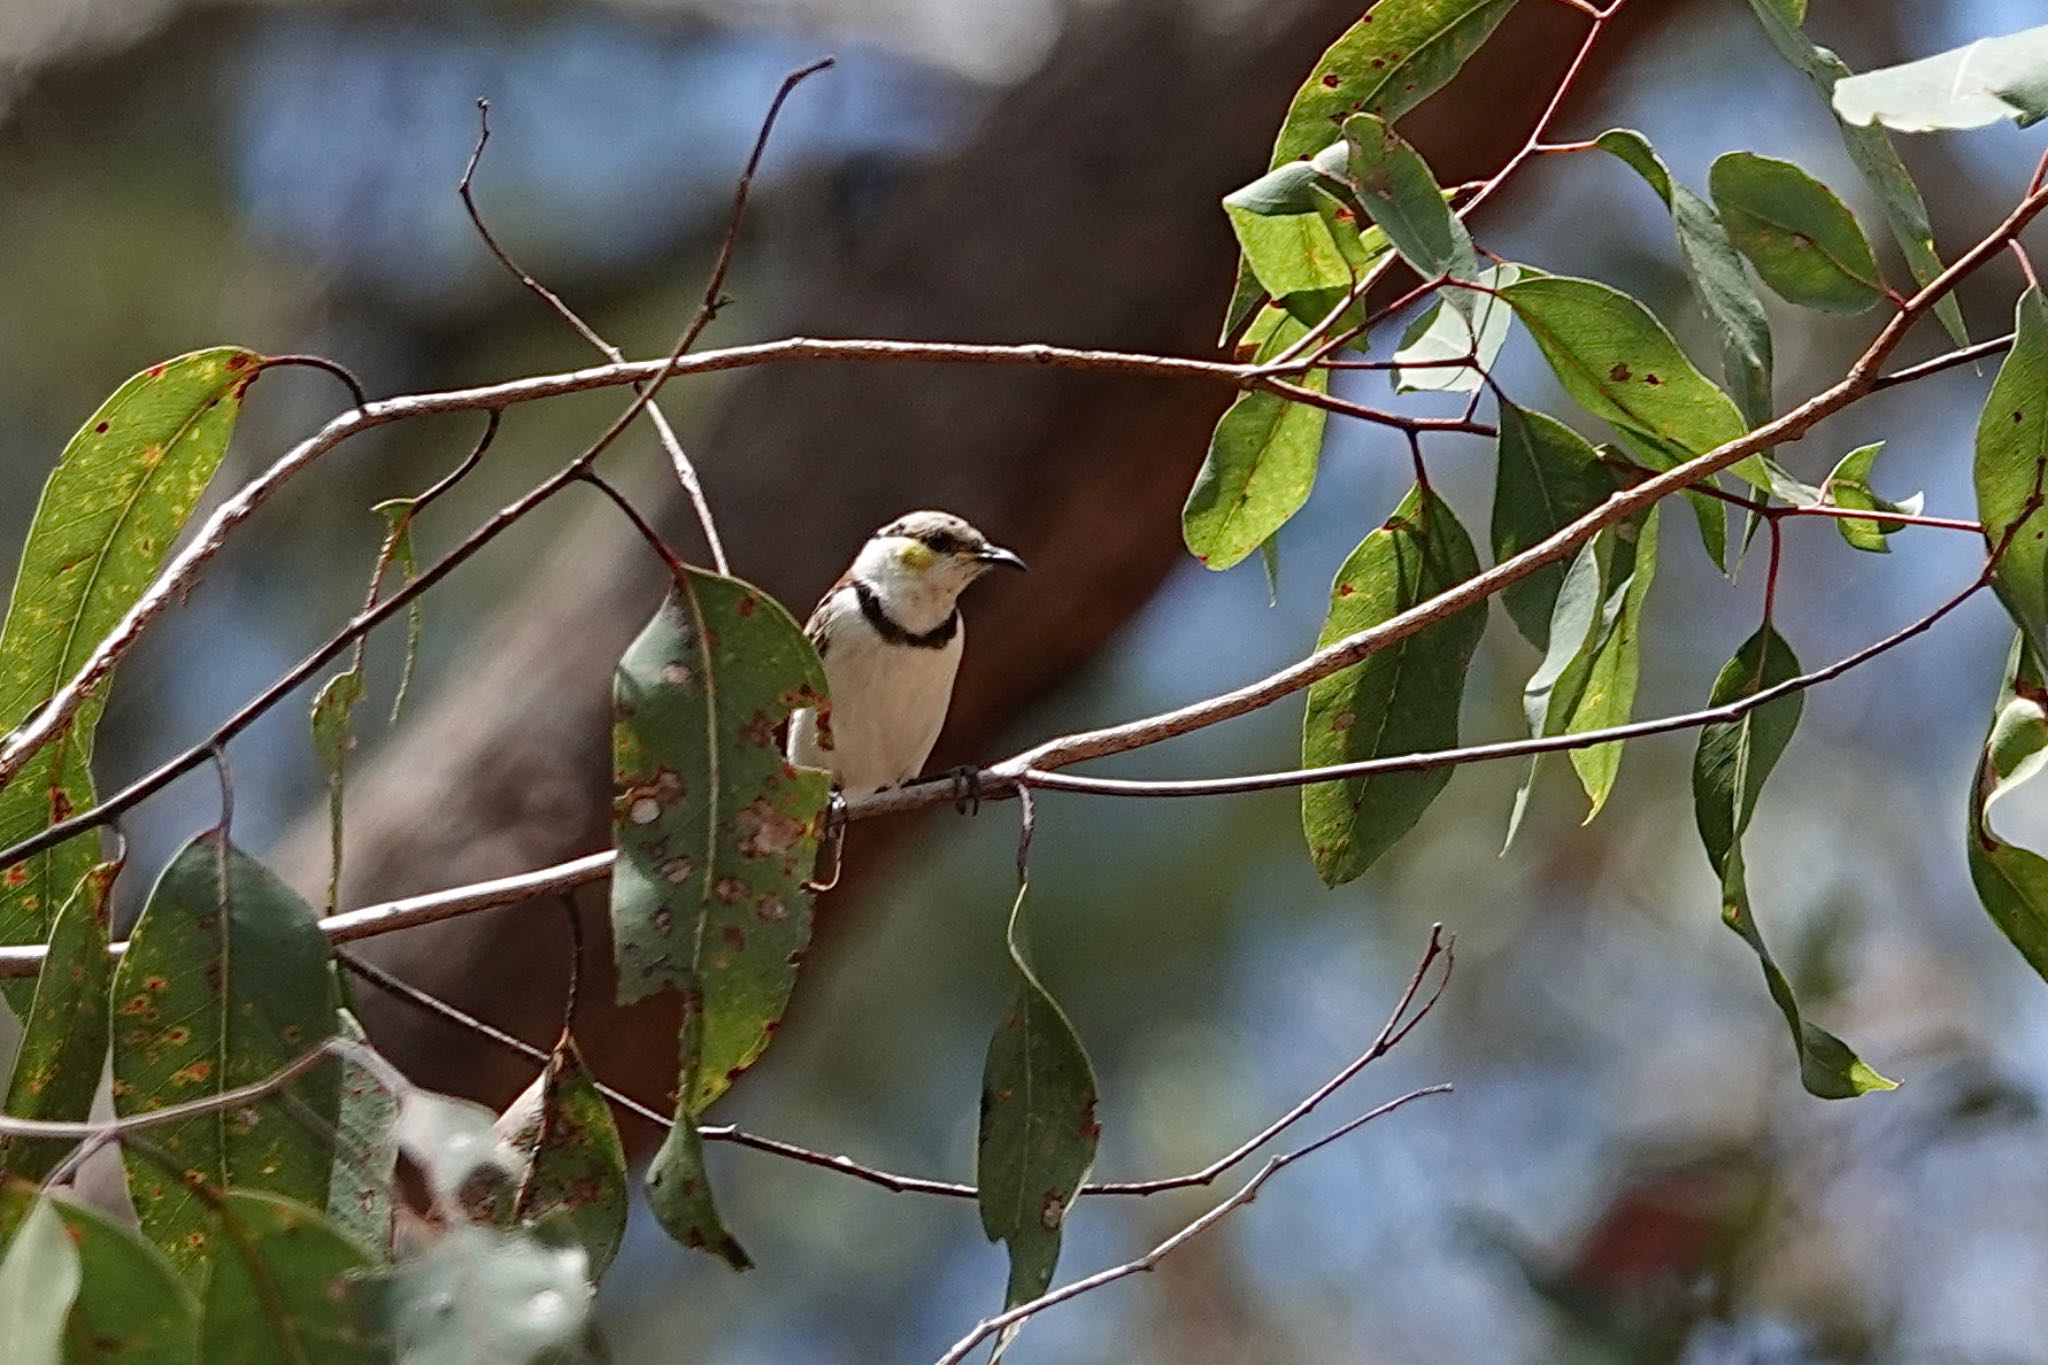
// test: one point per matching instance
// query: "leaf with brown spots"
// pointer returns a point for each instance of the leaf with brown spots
(573, 1187)
(224, 982)
(1038, 1128)
(716, 834)
(678, 1188)
(1403, 699)
(64, 1042)
(122, 490)
(131, 1308)
(286, 1285)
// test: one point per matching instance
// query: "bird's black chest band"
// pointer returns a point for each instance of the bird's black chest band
(937, 637)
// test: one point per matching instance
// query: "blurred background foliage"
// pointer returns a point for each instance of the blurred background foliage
(1628, 1171)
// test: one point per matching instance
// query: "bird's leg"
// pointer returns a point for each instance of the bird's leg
(831, 846)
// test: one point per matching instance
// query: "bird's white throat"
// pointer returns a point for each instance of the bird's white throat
(918, 599)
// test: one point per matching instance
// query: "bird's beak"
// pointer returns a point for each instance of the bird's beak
(996, 554)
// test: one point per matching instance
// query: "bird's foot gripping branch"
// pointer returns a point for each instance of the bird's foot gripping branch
(263, 1138)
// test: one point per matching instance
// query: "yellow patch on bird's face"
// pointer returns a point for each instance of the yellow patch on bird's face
(915, 554)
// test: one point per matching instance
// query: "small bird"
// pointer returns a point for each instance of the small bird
(889, 632)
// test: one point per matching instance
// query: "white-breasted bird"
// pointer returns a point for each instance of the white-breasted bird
(889, 632)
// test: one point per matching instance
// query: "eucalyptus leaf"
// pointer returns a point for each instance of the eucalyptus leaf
(1980, 83)
(332, 706)
(131, 1308)
(121, 492)
(285, 1286)
(2011, 465)
(2012, 881)
(361, 1181)
(1729, 768)
(224, 983)
(1608, 696)
(717, 835)
(574, 1182)
(1038, 1128)
(1905, 210)
(1849, 486)
(64, 1039)
(1714, 269)
(1450, 349)
(1803, 241)
(1397, 190)
(1260, 466)
(39, 1279)
(1402, 699)
(1548, 477)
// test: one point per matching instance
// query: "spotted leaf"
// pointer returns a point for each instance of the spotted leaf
(64, 1042)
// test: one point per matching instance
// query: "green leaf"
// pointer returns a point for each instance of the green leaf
(1269, 556)
(284, 1287)
(225, 981)
(1259, 470)
(1396, 56)
(39, 1278)
(1714, 269)
(1967, 87)
(1871, 149)
(360, 1183)
(1403, 699)
(1297, 255)
(1849, 486)
(1608, 697)
(481, 1296)
(679, 1192)
(2012, 459)
(1729, 768)
(1396, 188)
(1038, 1128)
(1802, 240)
(121, 492)
(717, 835)
(574, 1184)
(1572, 632)
(1549, 476)
(1471, 335)
(331, 743)
(64, 1042)
(131, 1309)
(2012, 881)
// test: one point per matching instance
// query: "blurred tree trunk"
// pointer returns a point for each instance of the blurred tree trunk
(1082, 210)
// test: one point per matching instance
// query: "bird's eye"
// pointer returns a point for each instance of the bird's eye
(943, 542)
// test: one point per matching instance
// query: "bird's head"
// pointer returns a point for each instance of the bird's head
(919, 564)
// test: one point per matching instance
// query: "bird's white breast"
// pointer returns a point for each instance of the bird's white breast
(888, 702)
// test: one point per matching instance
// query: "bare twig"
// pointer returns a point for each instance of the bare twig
(686, 472)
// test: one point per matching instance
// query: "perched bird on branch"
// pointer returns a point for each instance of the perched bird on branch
(889, 632)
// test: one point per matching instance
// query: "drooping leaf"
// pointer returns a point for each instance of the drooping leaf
(1399, 53)
(574, 1182)
(1443, 336)
(1269, 557)
(121, 491)
(1549, 476)
(360, 1184)
(716, 833)
(1403, 699)
(1802, 240)
(1038, 1129)
(39, 1279)
(64, 1040)
(1871, 149)
(1260, 467)
(1984, 82)
(679, 1192)
(481, 1296)
(1608, 695)
(2012, 462)
(1729, 768)
(1714, 269)
(1396, 188)
(131, 1309)
(331, 742)
(285, 1286)
(2012, 881)
(1849, 486)
(225, 981)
